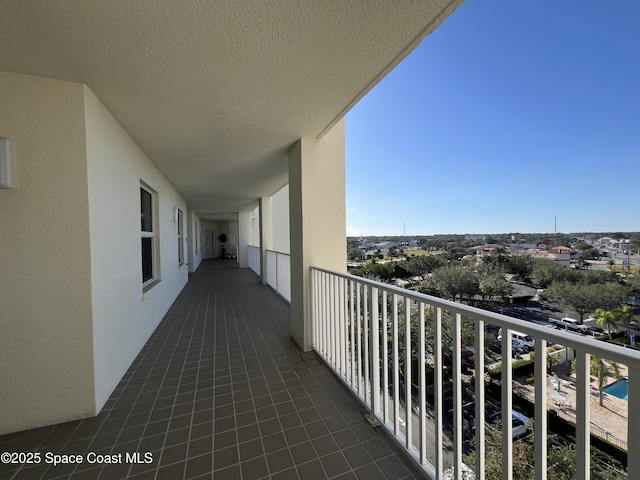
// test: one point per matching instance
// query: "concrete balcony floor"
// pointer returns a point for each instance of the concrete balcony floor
(221, 390)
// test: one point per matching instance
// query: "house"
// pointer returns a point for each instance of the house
(560, 255)
(484, 250)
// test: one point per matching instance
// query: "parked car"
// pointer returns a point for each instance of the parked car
(519, 423)
(523, 338)
(570, 324)
(517, 347)
(467, 359)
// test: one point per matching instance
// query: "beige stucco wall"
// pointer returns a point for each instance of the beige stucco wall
(244, 238)
(318, 220)
(46, 347)
(280, 218)
(124, 317)
(255, 227)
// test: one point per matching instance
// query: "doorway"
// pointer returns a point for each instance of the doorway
(209, 244)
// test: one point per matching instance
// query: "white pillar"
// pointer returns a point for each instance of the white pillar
(244, 238)
(317, 220)
(266, 235)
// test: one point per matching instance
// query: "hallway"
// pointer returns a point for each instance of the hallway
(220, 389)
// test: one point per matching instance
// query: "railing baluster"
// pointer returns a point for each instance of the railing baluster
(353, 338)
(359, 351)
(314, 307)
(396, 370)
(422, 384)
(344, 309)
(332, 322)
(385, 359)
(633, 428)
(583, 432)
(325, 316)
(437, 353)
(339, 328)
(540, 419)
(407, 370)
(457, 395)
(320, 302)
(375, 355)
(367, 356)
(479, 400)
(507, 406)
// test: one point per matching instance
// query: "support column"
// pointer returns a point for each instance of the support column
(266, 235)
(317, 220)
(244, 238)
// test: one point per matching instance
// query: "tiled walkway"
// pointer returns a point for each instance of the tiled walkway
(220, 390)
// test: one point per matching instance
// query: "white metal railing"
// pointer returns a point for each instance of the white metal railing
(254, 259)
(372, 334)
(279, 273)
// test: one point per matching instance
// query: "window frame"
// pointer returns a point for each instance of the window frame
(197, 237)
(180, 217)
(149, 232)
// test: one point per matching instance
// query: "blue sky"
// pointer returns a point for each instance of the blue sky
(510, 113)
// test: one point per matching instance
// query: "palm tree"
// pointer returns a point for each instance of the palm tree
(601, 370)
(606, 318)
(625, 315)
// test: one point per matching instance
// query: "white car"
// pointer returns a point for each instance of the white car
(525, 339)
(570, 324)
(519, 423)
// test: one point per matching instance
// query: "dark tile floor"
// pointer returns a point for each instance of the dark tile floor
(220, 390)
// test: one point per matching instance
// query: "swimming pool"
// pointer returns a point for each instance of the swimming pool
(618, 389)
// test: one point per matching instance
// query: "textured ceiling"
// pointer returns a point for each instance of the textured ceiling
(216, 92)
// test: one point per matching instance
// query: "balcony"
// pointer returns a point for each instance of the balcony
(375, 336)
(220, 388)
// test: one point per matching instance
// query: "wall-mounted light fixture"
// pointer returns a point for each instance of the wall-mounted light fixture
(5, 163)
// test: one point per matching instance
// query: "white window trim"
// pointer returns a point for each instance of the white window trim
(155, 260)
(180, 238)
(197, 237)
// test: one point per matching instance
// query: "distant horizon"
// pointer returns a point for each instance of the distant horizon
(507, 116)
(495, 233)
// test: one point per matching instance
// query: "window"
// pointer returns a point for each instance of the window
(180, 239)
(197, 237)
(147, 234)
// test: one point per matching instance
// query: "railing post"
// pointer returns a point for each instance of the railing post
(396, 369)
(422, 384)
(385, 359)
(314, 306)
(352, 343)
(540, 434)
(583, 415)
(480, 400)
(633, 429)
(507, 405)
(437, 352)
(407, 372)
(457, 395)
(367, 360)
(374, 336)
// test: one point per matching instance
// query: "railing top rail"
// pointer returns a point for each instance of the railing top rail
(590, 345)
(276, 251)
